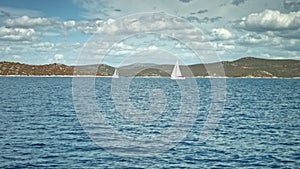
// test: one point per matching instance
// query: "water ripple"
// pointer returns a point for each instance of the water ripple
(259, 128)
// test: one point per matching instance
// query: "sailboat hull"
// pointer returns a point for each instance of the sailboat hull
(177, 78)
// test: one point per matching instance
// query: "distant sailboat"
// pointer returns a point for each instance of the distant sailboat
(176, 73)
(116, 74)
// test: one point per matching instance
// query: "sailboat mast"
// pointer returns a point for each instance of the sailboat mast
(176, 73)
(176, 67)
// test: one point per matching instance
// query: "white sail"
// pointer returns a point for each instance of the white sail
(176, 73)
(116, 74)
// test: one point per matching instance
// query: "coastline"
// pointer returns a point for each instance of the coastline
(149, 77)
(241, 68)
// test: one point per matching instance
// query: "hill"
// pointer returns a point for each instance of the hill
(262, 68)
(245, 67)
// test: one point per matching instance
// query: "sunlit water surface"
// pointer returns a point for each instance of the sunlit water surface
(259, 128)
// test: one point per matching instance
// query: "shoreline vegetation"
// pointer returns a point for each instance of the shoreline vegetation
(243, 68)
(147, 77)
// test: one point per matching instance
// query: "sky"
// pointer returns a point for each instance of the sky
(117, 32)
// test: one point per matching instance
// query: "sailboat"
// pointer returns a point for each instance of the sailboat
(116, 74)
(176, 73)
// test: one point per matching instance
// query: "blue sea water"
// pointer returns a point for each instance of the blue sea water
(259, 126)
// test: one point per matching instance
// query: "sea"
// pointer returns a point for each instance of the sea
(63, 122)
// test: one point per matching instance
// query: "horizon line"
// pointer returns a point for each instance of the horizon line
(249, 57)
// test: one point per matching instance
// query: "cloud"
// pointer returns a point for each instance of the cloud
(185, 1)
(43, 44)
(17, 34)
(180, 46)
(4, 14)
(69, 24)
(148, 56)
(271, 20)
(26, 21)
(125, 49)
(56, 26)
(142, 23)
(264, 41)
(293, 5)
(42, 24)
(17, 12)
(292, 45)
(292, 34)
(254, 39)
(90, 27)
(93, 9)
(18, 27)
(6, 49)
(238, 2)
(16, 57)
(222, 34)
(202, 11)
(58, 57)
(123, 46)
(9, 50)
(203, 20)
(50, 34)
(214, 19)
(152, 47)
(221, 47)
(44, 47)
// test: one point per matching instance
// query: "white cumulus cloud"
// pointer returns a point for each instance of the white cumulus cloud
(260, 39)
(152, 47)
(142, 23)
(123, 46)
(44, 47)
(26, 21)
(69, 24)
(271, 20)
(222, 34)
(58, 57)
(15, 57)
(17, 34)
